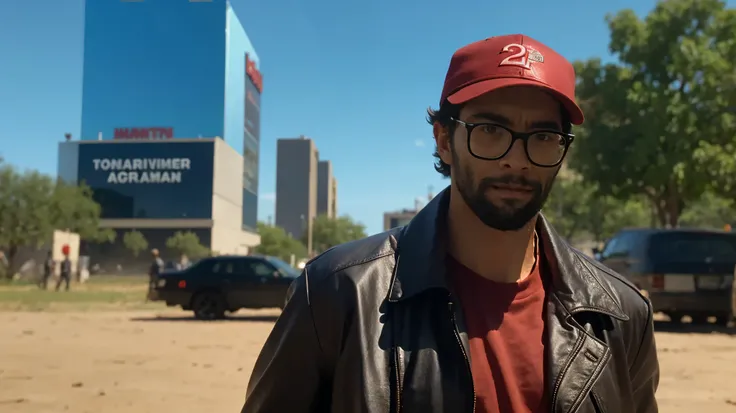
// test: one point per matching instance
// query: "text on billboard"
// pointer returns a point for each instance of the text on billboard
(253, 73)
(144, 133)
(142, 170)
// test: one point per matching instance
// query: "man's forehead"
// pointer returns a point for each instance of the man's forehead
(519, 120)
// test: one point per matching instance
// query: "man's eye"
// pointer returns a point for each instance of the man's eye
(490, 129)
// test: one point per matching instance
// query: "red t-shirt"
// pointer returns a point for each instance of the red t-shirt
(505, 323)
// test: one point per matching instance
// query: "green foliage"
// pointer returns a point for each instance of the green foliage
(33, 205)
(277, 243)
(579, 212)
(660, 122)
(328, 232)
(73, 208)
(187, 243)
(568, 207)
(135, 241)
(710, 211)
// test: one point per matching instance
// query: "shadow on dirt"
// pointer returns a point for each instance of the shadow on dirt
(270, 318)
(709, 328)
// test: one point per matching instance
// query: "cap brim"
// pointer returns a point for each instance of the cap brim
(480, 88)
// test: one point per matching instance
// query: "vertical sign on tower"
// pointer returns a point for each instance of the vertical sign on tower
(251, 141)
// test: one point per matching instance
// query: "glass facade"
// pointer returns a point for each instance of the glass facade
(153, 68)
(399, 222)
(161, 70)
(150, 179)
(244, 85)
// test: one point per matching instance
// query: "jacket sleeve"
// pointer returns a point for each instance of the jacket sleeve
(288, 374)
(645, 370)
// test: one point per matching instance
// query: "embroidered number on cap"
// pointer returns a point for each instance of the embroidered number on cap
(517, 59)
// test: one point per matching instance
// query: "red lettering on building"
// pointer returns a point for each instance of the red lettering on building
(144, 133)
(253, 73)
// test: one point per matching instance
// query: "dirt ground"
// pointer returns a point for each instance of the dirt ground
(139, 362)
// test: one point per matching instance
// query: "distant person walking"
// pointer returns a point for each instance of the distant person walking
(65, 272)
(156, 267)
(48, 270)
(4, 265)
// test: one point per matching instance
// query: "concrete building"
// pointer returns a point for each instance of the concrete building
(156, 102)
(399, 218)
(326, 190)
(159, 188)
(297, 162)
(402, 217)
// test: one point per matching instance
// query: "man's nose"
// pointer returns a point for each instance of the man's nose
(516, 157)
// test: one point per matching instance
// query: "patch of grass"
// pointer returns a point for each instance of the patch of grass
(99, 293)
(117, 279)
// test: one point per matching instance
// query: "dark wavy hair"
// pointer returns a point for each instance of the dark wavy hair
(444, 116)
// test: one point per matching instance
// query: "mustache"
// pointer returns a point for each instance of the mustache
(489, 182)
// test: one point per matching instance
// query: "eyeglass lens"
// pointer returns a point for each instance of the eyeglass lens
(492, 141)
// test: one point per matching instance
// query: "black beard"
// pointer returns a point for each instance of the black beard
(507, 217)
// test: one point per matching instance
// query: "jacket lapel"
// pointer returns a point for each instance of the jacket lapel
(575, 358)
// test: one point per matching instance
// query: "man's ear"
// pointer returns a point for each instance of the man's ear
(443, 139)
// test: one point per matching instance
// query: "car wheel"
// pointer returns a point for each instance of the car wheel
(723, 319)
(675, 317)
(208, 306)
(698, 319)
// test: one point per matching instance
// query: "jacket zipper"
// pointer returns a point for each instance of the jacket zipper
(451, 306)
(397, 361)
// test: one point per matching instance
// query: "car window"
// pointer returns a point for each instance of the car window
(610, 246)
(261, 269)
(681, 247)
(224, 267)
(285, 269)
(620, 245)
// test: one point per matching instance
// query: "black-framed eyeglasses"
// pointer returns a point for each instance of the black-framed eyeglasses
(490, 141)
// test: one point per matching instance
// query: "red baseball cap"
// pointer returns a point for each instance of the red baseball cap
(512, 60)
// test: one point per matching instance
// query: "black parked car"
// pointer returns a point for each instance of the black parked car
(684, 271)
(214, 286)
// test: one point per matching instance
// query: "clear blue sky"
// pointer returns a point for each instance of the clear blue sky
(356, 76)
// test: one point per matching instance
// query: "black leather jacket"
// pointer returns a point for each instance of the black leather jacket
(371, 326)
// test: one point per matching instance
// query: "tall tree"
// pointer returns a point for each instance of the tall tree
(277, 243)
(187, 243)
(328, 232)
(659, 121)
(710, 211)
(33, 205)
(135, 242)
(568, 206)
(580, 212)
(73, 208)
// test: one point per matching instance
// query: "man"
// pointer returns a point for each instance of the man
(4, 265)
(157, 266)
(48, 270)
(477, 305)
(65, 271)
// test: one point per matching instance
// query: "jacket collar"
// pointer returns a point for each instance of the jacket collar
(421, 252)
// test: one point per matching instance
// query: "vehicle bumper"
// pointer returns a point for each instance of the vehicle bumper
(171, 298)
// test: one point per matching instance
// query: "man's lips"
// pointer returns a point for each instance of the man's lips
(513, 188)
